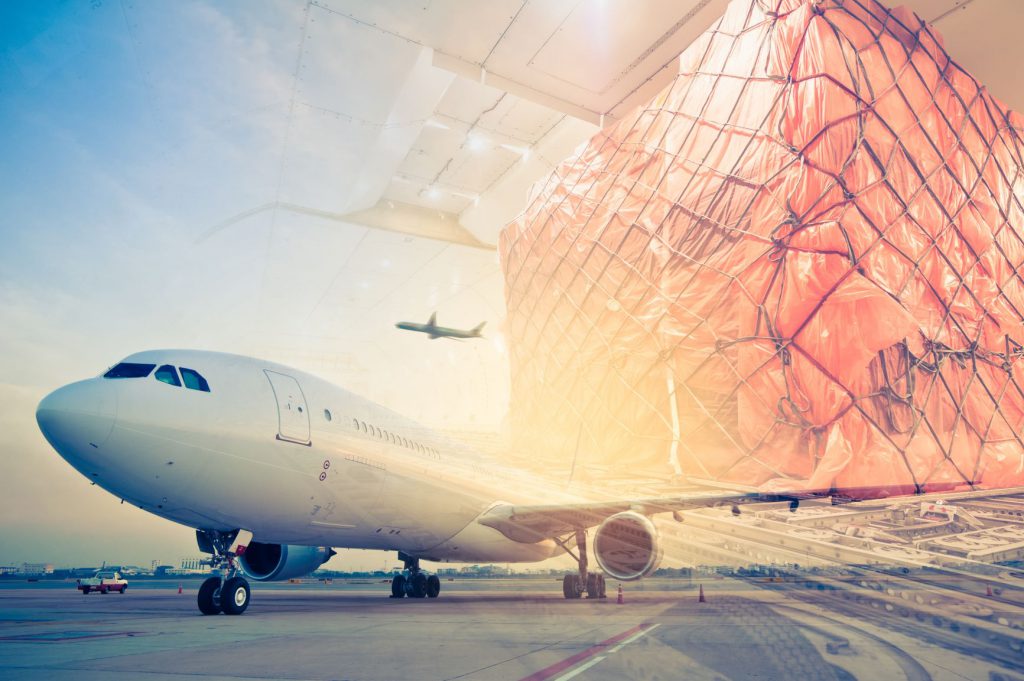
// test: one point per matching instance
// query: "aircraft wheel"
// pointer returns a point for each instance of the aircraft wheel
(234, 596)
(602, 587)
(209, 598)
(433, 586)
(571, 586)
(595, 585)
(419, 585)
(398, 586)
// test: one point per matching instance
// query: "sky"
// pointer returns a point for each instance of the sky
(130, 133)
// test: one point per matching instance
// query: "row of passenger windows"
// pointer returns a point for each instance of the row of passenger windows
(191, 378)
(382, 434)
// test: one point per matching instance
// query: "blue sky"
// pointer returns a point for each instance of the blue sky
(129, 129)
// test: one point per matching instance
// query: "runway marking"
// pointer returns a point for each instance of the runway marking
(634, 637)
(579, 670)
(65, 636)
(618, 641)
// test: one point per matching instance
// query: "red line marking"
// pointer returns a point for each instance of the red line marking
(56, 637)
(568, 662)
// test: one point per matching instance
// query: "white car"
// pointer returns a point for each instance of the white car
(104, 581)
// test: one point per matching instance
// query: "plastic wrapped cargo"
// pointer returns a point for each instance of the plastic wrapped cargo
(796, 267)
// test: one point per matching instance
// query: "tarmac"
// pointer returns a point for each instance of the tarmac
(477, 630)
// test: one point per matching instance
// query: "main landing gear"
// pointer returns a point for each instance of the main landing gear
(574, 586)
(226, 591)
(413, 582)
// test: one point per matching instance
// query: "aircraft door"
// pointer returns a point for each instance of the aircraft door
(292, 414)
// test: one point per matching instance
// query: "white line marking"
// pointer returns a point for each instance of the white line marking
(634, 637)
(579, 670)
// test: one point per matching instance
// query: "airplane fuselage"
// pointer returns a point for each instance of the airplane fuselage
(287, 456)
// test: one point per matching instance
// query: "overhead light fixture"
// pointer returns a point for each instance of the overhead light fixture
(433, 193)
(431, 123)
(524, 152)
(476, 142)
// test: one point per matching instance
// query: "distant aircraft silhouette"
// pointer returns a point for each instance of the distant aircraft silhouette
(434, 331)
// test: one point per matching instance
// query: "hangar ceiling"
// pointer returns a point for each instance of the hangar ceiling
(455, 108)
(346, 128)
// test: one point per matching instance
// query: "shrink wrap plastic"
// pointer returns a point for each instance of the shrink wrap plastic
(796, 267)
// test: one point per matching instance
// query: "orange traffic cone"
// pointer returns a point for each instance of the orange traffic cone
(619, 599)
(700, 597)
(179, 588)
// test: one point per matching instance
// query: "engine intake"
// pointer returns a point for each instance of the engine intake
(270, 562)
(626, 546)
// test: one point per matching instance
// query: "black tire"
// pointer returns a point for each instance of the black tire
(593, 589)
(85, 591)
(602, 586)
(569, 586)
(398, 586)
(433, 586)
(209, 596)
(124, 588)
(234, 596)
(419, 585)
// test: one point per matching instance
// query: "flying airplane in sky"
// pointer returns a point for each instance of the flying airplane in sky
(434, 331)
(273, 467)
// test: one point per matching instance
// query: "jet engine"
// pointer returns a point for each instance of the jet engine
(626, 546)
(270, 562)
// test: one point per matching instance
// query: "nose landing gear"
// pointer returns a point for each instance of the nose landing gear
(413, 582)
(226, 591)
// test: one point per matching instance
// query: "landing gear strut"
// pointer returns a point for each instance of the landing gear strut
(226, 591)
(413, 582)
(573, 586)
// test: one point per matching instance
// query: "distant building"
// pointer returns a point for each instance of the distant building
(192, 564)
(37, 568)
(8, 569)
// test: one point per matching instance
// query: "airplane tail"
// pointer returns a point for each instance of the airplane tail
(478, 328)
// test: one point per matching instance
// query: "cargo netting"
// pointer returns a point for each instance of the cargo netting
(796, 267)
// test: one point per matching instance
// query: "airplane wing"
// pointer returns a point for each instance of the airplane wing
(533, 523)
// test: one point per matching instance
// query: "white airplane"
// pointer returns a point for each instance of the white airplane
(273, 467)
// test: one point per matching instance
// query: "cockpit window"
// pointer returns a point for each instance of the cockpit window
(129, 370)
(193, 380)
(168, 375)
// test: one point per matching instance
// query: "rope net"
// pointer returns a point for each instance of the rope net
(796, 267)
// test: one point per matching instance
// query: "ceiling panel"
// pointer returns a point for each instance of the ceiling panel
(466, 100)
(521, 119)
(428, 195)
(467, 30)
(600, 43)
(599, 54)
(476, 171)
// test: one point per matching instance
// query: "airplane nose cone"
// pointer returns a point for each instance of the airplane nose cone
(78, 417)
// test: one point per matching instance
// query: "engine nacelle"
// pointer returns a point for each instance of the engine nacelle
(626, 546)
(270, 562)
